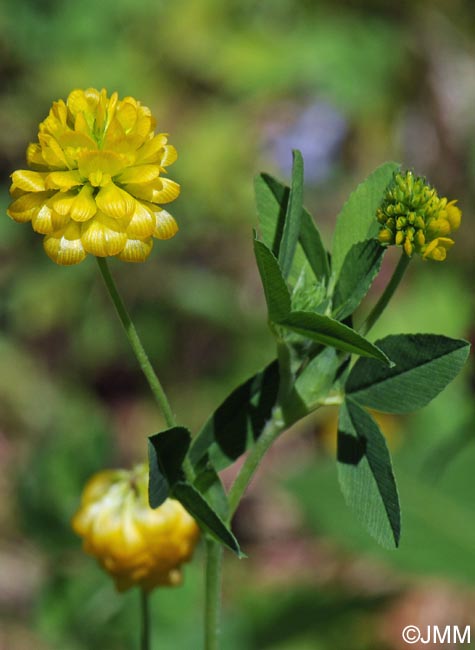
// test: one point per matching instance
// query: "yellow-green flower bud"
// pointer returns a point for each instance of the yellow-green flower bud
(420, 239)
(386, 236)
(414, 217)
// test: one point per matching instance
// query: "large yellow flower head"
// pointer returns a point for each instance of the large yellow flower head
(95, 183)
(134, 544)
(414, 217)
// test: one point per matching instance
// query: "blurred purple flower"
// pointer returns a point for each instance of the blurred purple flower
(318, 130)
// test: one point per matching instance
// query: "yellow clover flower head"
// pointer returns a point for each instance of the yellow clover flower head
(133, 543)
(95, 183)
(414, 217)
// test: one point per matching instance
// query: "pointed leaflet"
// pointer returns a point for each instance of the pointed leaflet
(424, 365)
(291, 232)
(357, 219)
(200, 510)
(361, 265)
(275, 288)
(209, 485)
(271, 199)
(166, 451)
(366, 475)
(313, 248)
(328, 331)
(238, 421)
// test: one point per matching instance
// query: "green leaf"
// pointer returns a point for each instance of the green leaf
(328, 331)
(275, 288)
(271, 199)
(313, 247)
(361, 265)
(208, 483)
(291, 232)
(317, 378)
(166, 452)
(424, 365)
(200, 509)
(357, 219)
(238, 422)
(366, 475)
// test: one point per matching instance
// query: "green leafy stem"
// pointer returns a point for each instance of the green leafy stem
(321, 359)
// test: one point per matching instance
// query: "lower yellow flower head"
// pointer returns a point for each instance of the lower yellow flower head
(95, 183)
(414, 217)
(134, 544)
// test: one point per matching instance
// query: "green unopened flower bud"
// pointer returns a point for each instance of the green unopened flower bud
(419, 222)
(401, 222)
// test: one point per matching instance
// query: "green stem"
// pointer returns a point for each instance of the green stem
(387, 294)
(145, 612)
(214, 561)
(273, 428)
(136, 343)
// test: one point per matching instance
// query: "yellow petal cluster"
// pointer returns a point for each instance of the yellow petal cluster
(133, 543)
(414, 217)
(97, 180)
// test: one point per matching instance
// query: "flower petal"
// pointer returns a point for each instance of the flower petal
(65, 246)
(83, 206)
(115, 202)
(29, 181)
(437, 249)
(139, 174)
(62, 202)
(151, 150)
(136, 250)
(82, 100)
(437, 228)
(165, 225)
(103, 236)
(126, 113)
(142, 224)
(53, 155)
(169, 192)
(108, 162)
(63, 180)
(34, 156)
(454, 215)
(26, 206)
(77, 140)
(169, 155)
(46, 221)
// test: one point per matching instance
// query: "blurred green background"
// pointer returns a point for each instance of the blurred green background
(237, 84)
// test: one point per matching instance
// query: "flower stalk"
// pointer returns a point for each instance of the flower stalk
(214, 566)
(136, 344)
(387, 294)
